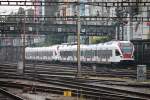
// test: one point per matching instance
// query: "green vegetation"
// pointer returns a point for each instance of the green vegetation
(99, 39)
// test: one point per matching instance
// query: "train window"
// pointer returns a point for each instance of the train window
(99, 53)
(103, 53)
(45, 53)
(95, 52)
(88, 53)
(117, 53)
(110, 52)
(50, 53)
(65, 54)
(61, 53)
(69, 53)
(81, 53)
(74, 53)
(84, 53)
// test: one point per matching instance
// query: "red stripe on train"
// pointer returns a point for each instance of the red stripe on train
(127, 55)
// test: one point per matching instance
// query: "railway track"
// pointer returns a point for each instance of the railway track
(68, 70)
(64, 76)
(5, 95)
(87, 91)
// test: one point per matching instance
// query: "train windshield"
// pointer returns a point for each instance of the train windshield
(126, 48)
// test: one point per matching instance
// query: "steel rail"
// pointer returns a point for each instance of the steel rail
(67, 82)
(86, 91)
(13, 96)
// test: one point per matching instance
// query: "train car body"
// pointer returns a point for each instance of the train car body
(41, 53)
(103, 53)
(110, 52)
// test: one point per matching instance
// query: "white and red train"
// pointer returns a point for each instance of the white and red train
(103, 53)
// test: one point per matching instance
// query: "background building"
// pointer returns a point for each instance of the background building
(126, 28)
(141, 28)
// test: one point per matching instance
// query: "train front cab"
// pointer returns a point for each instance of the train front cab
(126, 50)
(123, 53)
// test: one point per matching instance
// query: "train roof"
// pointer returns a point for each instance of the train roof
(73, 47)
(54, 47)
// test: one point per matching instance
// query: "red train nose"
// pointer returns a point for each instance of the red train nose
(127, 55)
